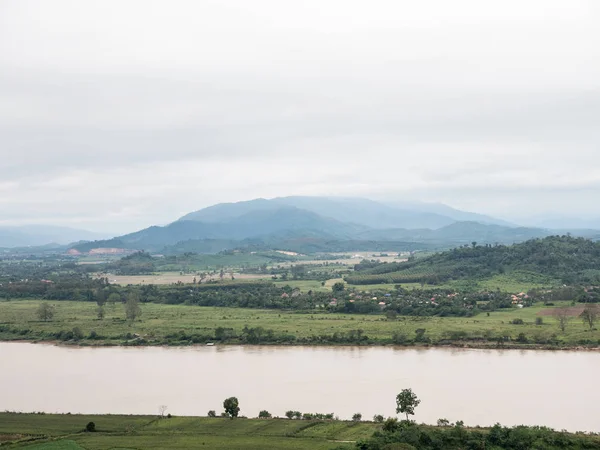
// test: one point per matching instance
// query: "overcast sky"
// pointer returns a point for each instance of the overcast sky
(120, 114)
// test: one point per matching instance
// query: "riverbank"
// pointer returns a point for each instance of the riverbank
(68, 432)
(77, 323)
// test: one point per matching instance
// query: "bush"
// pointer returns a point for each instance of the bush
(399, 338)
(522, 338)
(77, 333)
(539, 321)
(90, 427)
(517, 322)
(212, 413)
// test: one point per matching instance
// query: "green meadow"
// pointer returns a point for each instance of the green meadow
(66, 432)
(158, 323)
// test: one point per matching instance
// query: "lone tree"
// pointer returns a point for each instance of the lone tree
(132, 307)
(232, 407)
(45, 312)
(589, 315)
(264, 414)
(406, 402)
(562, 317)
(162, 409)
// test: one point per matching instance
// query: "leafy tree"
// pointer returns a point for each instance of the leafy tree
(100, 297)
(231, 406)
(100, 312)
(357, 417)
(212, 413)
(45, 312)
(406, 402)
(338, 287)
(132, 307)
(589, 315)
(264, 414)
(289, 414)
(378, 418)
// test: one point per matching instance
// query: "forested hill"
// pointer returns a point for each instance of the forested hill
(563, 258)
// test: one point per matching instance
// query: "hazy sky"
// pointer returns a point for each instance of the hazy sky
(121, 114)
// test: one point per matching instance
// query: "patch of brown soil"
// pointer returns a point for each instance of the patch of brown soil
(571, 311)
(10, 437)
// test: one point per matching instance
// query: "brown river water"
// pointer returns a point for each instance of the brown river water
(480, 387)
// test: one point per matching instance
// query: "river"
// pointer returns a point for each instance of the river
(480, 387)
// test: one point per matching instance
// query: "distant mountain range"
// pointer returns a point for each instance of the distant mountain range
(39, 235)
(309, 224)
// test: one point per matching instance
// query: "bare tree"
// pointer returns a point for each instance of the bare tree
(589, 315)
(162, 409)
(563, 317)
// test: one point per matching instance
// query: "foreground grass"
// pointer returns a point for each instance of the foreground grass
(159, 323)
(54, 432)
(65, 432)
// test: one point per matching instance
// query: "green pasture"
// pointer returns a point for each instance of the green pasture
(65, 432)
(19, 321)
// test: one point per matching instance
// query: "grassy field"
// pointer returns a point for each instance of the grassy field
(65, 432)
(175, 277)
(18, 320)
(309, 285)
(513, 282)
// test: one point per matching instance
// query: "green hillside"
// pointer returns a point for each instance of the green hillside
(563, 258)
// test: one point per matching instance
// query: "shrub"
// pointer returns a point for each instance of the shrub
(399, 338)
(443, 422)
(522, 338)
(517, 322)
(77, 333)
(90, 427)
(539, 321)
(212, 413)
